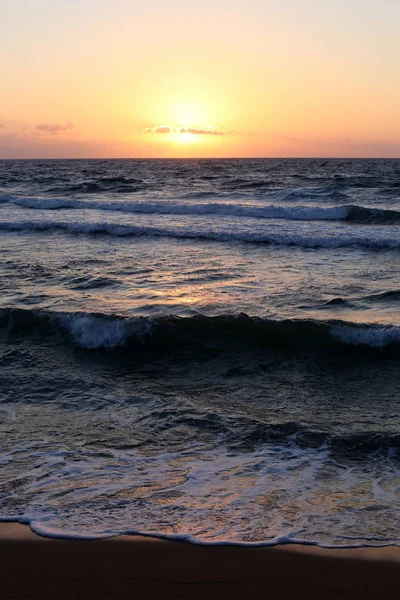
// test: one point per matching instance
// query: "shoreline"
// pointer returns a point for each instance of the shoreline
(142, 567)
(17, 531)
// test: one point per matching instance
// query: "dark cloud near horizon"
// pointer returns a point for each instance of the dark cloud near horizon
(54, 128)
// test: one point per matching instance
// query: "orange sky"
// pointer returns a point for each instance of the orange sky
(178, 78)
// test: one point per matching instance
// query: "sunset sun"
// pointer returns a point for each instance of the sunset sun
(186, 138)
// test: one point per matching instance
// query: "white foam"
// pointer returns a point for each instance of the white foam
(91, 331)
(271, 496)
(376, 337)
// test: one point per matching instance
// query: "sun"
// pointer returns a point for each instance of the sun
(186, 138)
(185, 122)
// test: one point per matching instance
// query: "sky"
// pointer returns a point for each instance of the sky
(184, 78)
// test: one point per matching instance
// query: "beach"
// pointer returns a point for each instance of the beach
(137, 567)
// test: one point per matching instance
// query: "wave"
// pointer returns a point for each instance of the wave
(352, 213)
(362, 214)
(375, 337)
(328, 192)
(239, 183)
(100, 331)
(385, 296)
(339, 240)
(329, 304)
(351, 446)
(113, 184)
(306, 213)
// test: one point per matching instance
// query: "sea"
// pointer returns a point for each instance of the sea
(204, 350)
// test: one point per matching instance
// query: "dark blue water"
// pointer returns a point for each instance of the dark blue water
(206, 349)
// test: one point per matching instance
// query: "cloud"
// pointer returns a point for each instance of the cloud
(2, 126)
(53, 128)
(193, 130)
(207, 131)
(160, 129)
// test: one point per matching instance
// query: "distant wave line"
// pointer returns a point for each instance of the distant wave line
(279, 239)
(350, 212)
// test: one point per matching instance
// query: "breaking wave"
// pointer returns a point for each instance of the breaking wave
(352, 213)
(100, 331)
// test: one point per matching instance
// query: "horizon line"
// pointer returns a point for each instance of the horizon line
(207, 158)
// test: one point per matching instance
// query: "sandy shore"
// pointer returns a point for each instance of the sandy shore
(132, 567)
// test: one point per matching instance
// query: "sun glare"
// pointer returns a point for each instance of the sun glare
(186, 138)
(188, 112)
(185, 124)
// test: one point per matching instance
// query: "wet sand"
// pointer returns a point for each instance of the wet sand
(140, 568)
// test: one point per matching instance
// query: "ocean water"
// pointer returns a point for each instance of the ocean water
(201, 349)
